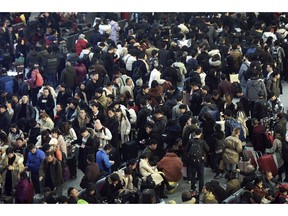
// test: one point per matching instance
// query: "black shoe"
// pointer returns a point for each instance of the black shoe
(169, 188)
(163, 196)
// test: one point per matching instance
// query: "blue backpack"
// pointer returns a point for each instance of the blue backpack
(234, 124)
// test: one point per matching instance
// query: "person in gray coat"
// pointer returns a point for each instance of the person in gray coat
(254, 85)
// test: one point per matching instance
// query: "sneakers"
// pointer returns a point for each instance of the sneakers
(217, 176)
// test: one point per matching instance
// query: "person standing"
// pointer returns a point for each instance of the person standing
(197, 147)
(102, 159)
(50, 171)
(34, 159)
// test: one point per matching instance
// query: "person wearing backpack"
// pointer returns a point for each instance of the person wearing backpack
(86, 56)
(231, 123)
(243, 71)
(35, 81)
(278, 54)
(197, 147)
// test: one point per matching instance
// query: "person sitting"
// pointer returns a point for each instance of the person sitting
(90, 195)
(72, 194)
(261, 191)
(187, 198)
(159, 178)
(209, 196)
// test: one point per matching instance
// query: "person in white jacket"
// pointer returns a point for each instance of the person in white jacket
(156, 75)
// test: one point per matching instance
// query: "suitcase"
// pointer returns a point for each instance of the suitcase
(252, 159)
(129, 150)
(149, 196)
(267, 163)
(71, 163)
(114, 156)
(243, 167)
(38, 199)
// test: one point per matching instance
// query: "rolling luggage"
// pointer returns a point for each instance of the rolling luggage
(267, 163)
(149, 196)
(71, 163)
(252, 159)
(129, 150)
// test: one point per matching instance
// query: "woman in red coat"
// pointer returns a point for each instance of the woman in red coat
(80, 44)
(258, 138)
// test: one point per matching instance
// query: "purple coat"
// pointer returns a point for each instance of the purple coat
(22, 191)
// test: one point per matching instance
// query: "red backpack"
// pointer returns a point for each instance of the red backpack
(39, 80)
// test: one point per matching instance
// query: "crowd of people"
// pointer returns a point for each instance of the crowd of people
(163, 82)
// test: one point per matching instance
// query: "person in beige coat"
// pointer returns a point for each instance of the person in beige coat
(233, 146)
(45, 122)
(56, 133)
(124, 126)
(11, 166)
(159, 178)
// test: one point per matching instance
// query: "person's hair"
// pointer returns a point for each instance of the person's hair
(186, 196)
(9, 150)
(49, 153)
(107, 147)
(56, 130)
(90, 157)
(62, 199)
(228, 112)
(152, 142)
(30, 146)
(14, 126)
(257, 180)
(23, 175)
(127, 171)
(114, 177)
(197, 131)
(19, 138)
(83, 129)
(132, 161)
(69, 191)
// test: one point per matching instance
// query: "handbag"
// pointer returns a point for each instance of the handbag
(149, 182)
(84, 182)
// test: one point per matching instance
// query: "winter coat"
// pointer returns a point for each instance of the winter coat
(233, 146)
(34, 160)
(125, 128)
(80, 45)
(115, 31)
(17, 165)
(22, 191)
(276, 150)
(68, 77)
(172, 166)
(5, 122)
(55, 171)
(92, 172)
(146, 169)
(254, 85)
(258, 138)
(209, 198)
(81, 72)
(51, 64)
(30, 112)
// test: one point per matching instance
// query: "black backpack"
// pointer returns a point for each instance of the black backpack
(86, 60)
(195, 152)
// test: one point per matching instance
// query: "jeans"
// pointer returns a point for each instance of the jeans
(51, 78)
(197, 168)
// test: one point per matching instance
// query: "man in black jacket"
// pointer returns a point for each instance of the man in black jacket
(23, 113)
(46, 103)
(5, 120)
